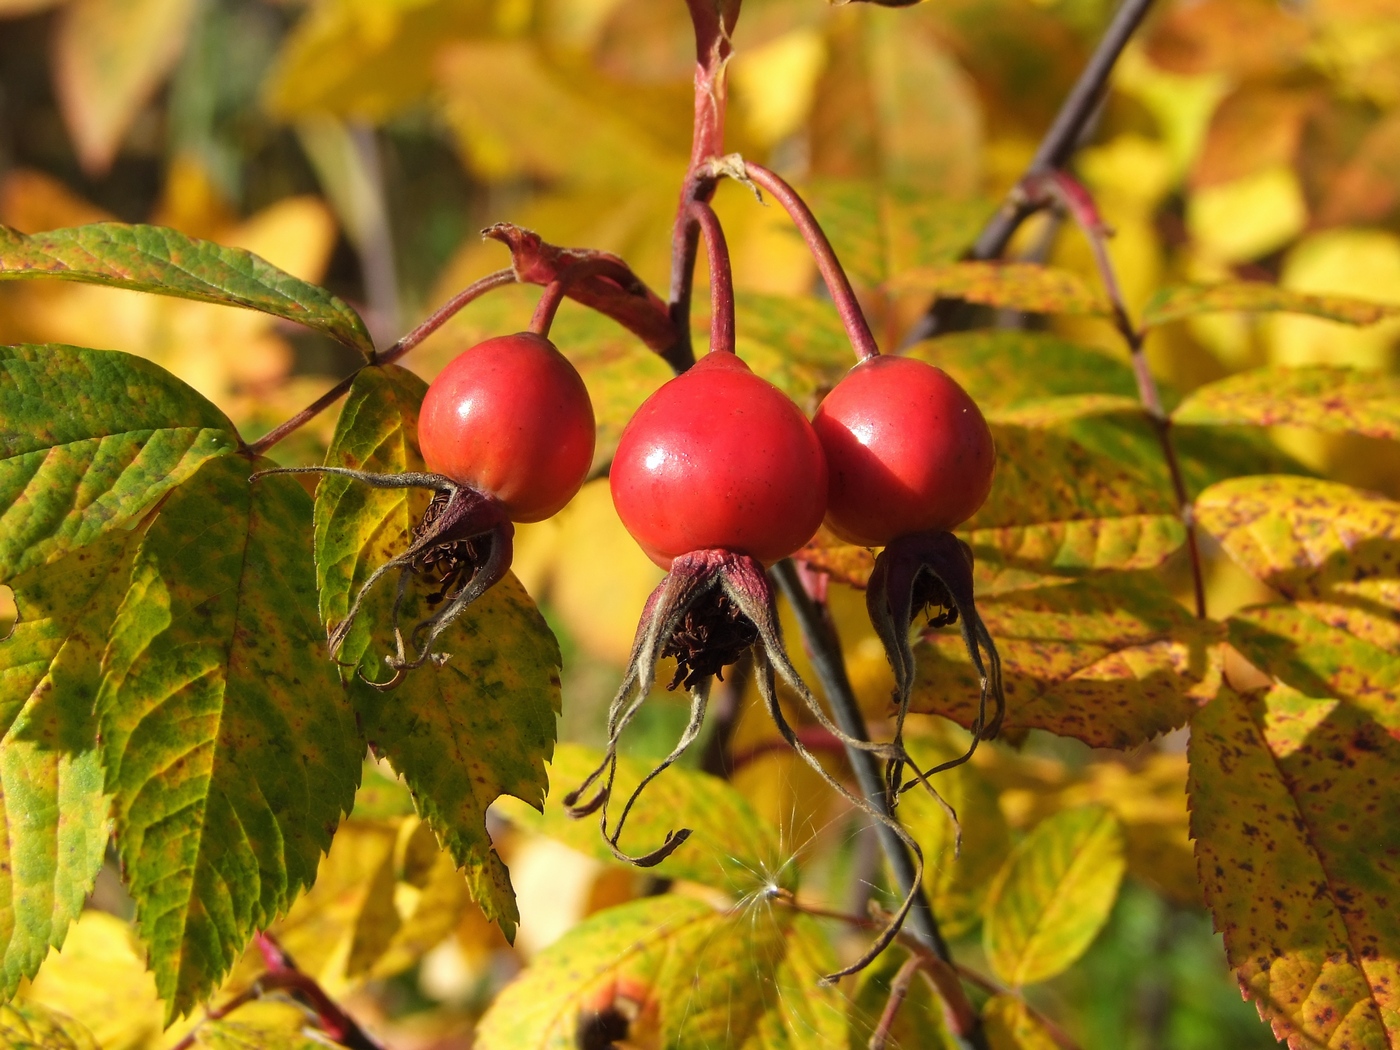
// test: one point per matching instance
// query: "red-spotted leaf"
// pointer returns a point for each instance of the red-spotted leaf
(482, 724)
(89, 441)
(1320, 397)
(228, 743)
(1298, 648)
(160, 260)
(1292, 809)
(1112, 661)
(1179, 301)
(680, 974)
(51, 797)
(1008, 286)
(1332, 548)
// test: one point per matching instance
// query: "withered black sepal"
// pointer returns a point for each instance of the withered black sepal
(463, 544)
(931, 571)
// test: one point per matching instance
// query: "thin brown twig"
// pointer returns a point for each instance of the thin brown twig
(1067, 192)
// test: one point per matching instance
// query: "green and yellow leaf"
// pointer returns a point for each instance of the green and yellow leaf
(90, 440)
(227, 741)
(1010, 1026)
(29, 1026)
(1291, 804)
(1186, 300)
(1054, 894)
(1318, 397)
(1029, 287)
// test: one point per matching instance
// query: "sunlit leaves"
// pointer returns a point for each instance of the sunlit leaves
(1009, 286)
(1054, 894)
(227, 742)
(28, 1026)
(161, 260)
(1250, 297)
(89, 441)
(1111, 661)
(50, 778)
(673, 971)
(1333, 548)
(265, 1025)
(1319, 397)
(1291, 804)
(731, 849)
(482, 724)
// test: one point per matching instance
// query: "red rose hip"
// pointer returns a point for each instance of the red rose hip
(907, 451)
(510, 418)
(719, 458)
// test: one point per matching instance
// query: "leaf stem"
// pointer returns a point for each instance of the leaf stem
(1063, 189)
(721, 276)
(557, 289)
(837, 283)
(436, 320)
(824, 647)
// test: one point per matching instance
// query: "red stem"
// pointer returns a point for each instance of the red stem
(557, 289)
(721, 276)
(858, 330)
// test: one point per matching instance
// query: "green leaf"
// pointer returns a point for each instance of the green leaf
(1320, 397)
(482, 724)
(226, 738)
(51, 796)
(797, 344)
(1112, 661)
(731, 849)
(29, 1026)
(1010, 1026)
(1298, 649)
(956, 883)
(1291, 808)
(879, 230)
(160, 260)
(89, 441)
(1179, 301)
(1006, 368)
(919, 1025)
(1009, 286)
(685, 975)
(1332, 548)
(1054, 894)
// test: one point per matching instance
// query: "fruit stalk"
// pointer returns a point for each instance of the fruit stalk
(721, 277)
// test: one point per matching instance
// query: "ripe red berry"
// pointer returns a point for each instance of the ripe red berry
(907, 450)
(510, 418)
(719, 458)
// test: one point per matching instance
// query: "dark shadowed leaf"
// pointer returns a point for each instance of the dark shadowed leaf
(1292, 803)
(686, 975)
(161, 260)
(89, 441)
(1170, 304)
(1320, 397)
(227, 741)
(1009, 286)
(1112, 661)
(482, 724)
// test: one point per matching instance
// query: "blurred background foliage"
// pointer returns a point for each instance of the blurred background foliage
(364, 143)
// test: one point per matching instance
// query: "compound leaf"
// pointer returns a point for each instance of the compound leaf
(482, 724)
(1112, 661)
(1054, 894)
(1029, 287)
(1291, 800)
(89, 441)
(29, 1026)
(164, 261)
(732, 848)
(226, 739)
(1331, 548)
(675, 972)
(1179, 301)
(51, 796)
(1319, 396)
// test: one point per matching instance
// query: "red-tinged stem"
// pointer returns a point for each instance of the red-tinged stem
(556, 290)
(1067, 192)
(721, 277)
(436, 320)
(842, 294)
(899, 991)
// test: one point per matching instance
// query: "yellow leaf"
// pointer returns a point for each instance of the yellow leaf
(774, 84)
(1248, 217)
(1010, 1026)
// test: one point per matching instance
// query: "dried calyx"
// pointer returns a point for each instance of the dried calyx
(461, 547)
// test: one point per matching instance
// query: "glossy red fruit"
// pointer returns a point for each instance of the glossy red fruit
(511, 418)
(719, 458)
(907, 451)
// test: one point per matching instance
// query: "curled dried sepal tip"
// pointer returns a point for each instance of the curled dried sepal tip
(712, 606)
(931, 571)
(463, 545)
